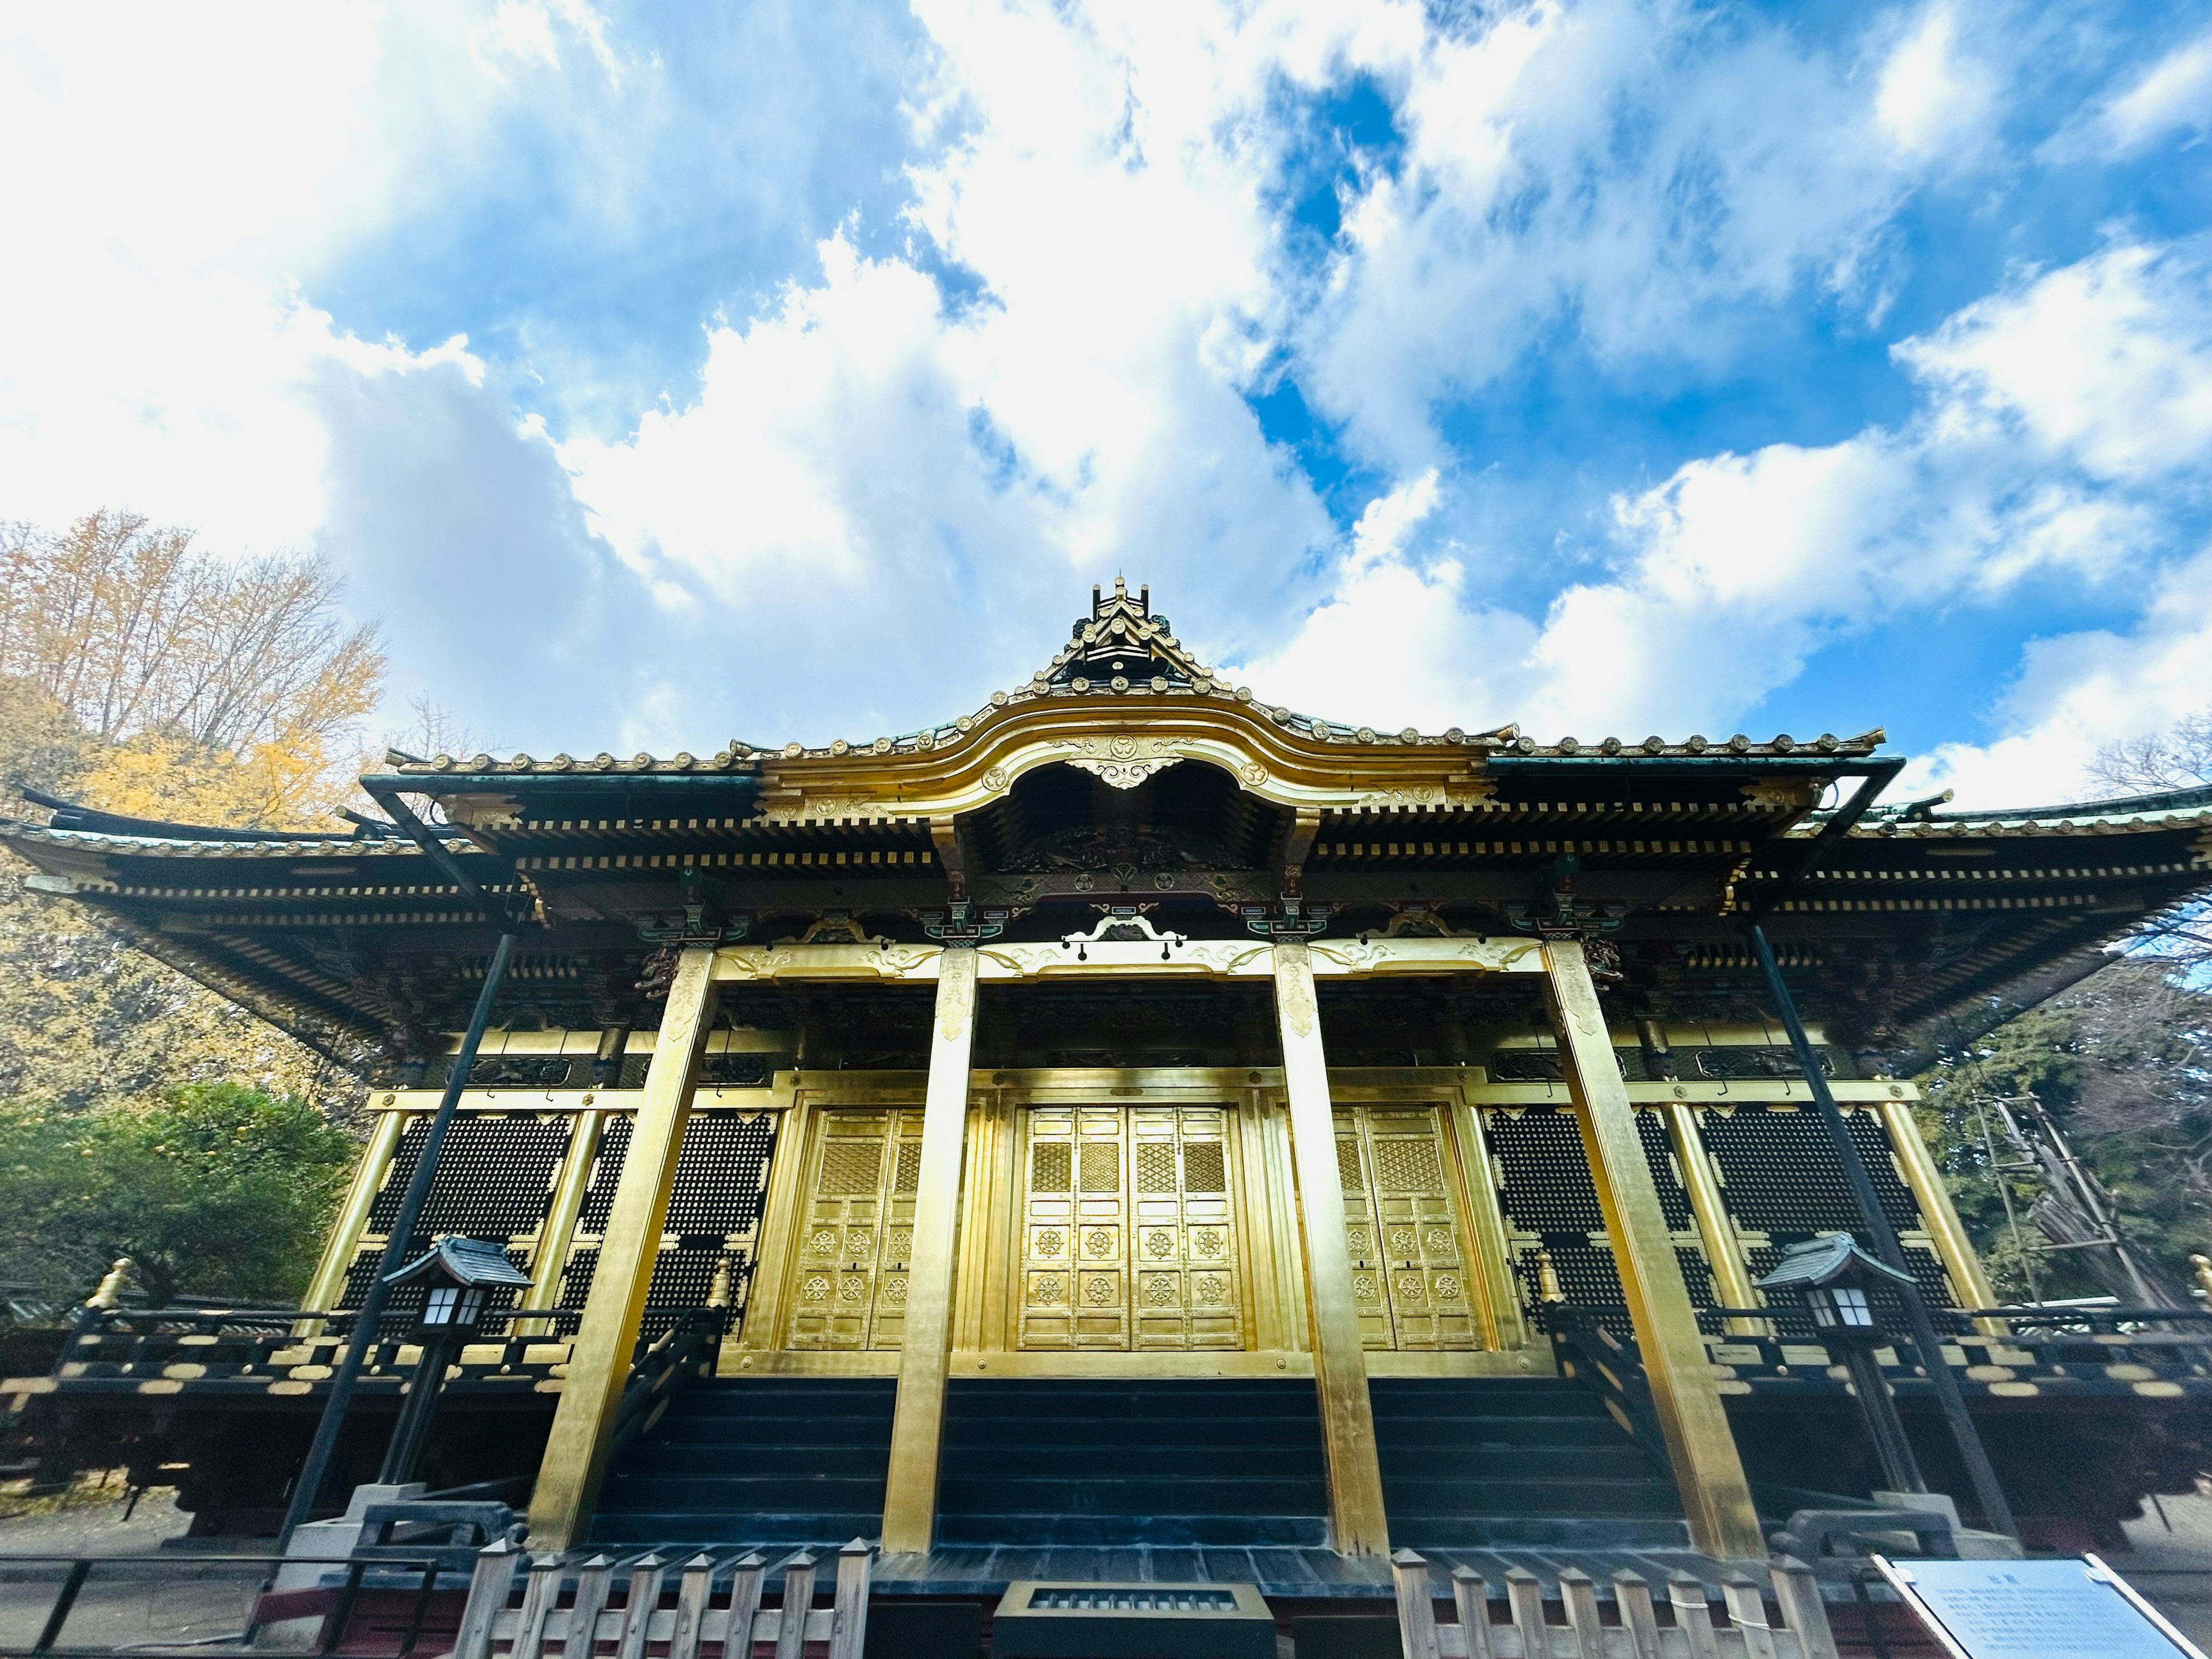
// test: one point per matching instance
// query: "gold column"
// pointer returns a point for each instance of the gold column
(550, 1259)
(1723, 1251)
(599, 1364)
(1503, 1328)
(1347, 1419)
(926, 1358)
(344, 1243)
(1715, 1497)
(1970, 1281)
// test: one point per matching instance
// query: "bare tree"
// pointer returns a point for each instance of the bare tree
(2178, 758)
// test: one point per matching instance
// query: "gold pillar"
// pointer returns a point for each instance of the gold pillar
(1502, 1325)
(1970, 1281)
(344, 1243)
(926, 1357)
(550, 1259)
(1347, 1419)
(599, 1363)
(1723, 1251)
(1715, 1497)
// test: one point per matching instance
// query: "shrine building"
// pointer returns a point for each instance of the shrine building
(1136, 1116)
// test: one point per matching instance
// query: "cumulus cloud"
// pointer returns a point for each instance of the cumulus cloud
(1933, 96)
(2064, 424)
(907, 441)
(1643, 181)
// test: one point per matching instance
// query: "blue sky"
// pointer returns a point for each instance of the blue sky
(662, 375)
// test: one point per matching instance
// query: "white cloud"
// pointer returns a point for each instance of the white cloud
(1639, 177)
(2174, 96)
(2064, 424)
(1932, 96)
(2077, 692)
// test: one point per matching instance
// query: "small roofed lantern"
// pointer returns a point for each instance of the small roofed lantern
(458, 1276)
(1836, 1279)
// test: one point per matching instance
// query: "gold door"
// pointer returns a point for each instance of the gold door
(848, 1288)
(1128, 1235)
(1409, 1278)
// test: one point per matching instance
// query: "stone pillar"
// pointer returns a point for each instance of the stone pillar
(1347, 1419)
(926, 1358)
(599, 1364)
(1715, 1497)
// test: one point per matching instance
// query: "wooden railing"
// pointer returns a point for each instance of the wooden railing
(685, 1351)
(232, 1350)
(517, 1606)
(1522, 1627)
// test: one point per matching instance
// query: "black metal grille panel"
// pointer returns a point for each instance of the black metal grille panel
(1549, 1202)
(495, 1176)
(713, 1213)
(1784, 1179)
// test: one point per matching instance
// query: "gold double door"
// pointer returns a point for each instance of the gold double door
(848, 1282)
(1124, 1231)
(1128, 1237)
(1410, 1280)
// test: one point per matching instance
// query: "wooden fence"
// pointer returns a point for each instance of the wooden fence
(491, 1629)
(1692, 1631)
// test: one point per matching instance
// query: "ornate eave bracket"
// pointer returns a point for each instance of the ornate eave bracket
(963, 923)
(1292, 919)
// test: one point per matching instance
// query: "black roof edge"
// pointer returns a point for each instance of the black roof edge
(1724, 765)
(69, 815)
(2164, 800)
(442, 783)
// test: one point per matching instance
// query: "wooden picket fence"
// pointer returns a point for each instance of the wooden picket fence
(491, 1629)
(1526, 1633)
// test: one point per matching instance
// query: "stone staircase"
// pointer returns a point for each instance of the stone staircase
(1466, 1463)
(1469, 1462)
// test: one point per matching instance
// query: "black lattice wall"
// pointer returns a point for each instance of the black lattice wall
(496, 1175)
(713, 1213)
(1783, 1178)
(495, 1178)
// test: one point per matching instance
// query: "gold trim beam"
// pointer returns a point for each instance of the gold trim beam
(575, 1457)
(1716, 1496)
(344, 1243)
(549, 1260)
(926, 1356)
(1970, 1281)
(1350, 1083)
(1347, 1417)
(1716, 1227)
(1230, 958)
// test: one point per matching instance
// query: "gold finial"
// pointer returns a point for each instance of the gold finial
(1548, 1288)
(718, 1292)
(2203, 1266)
(109, 1296)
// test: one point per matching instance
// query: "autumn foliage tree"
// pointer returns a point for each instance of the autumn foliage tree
(209, 690)
(141, 674)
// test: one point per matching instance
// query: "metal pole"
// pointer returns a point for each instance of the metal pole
(1971, 1452)
(312, 1473)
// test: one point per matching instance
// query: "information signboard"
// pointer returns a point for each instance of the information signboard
(2079, 1608)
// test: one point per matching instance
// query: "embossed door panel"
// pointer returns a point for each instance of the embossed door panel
(1129, 1231)
(848, 1287)
(1183, 1250)
(1409, 1257)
